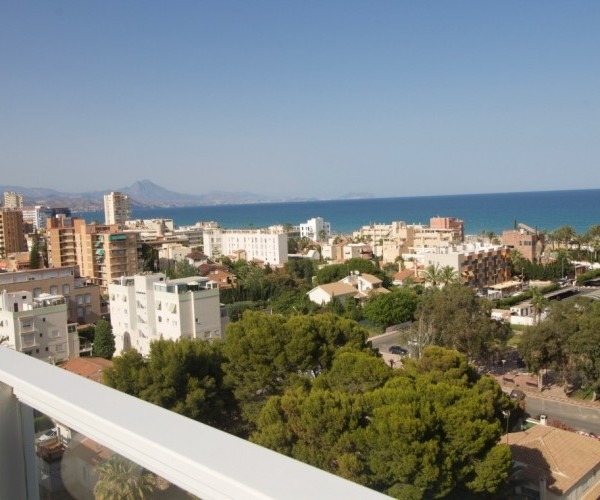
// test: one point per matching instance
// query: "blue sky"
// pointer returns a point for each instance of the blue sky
(305, 98)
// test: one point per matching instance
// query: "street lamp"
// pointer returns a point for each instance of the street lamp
(506, 414)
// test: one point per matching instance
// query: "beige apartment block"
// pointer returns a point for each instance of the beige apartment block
(457, 226)
(82, 298)
(13, 200)
(102, 252)
(61, 242)
(480, 266)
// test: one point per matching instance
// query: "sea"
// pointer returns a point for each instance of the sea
(496, 212)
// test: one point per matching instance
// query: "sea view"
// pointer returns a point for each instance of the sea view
(481, 212)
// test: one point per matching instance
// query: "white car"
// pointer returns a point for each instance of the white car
(48, 435)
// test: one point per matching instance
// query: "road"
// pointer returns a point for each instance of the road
(580, 418)
(383, 342)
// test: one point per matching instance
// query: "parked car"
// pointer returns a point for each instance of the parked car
(396, 349)
(48, 435)
(517, 394)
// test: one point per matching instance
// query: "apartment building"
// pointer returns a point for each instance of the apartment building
(528, 241)
(36, 216)
(480, 266)
(38, 326)
(61, 242)
(265, 245)
(194, 234)
(102, 252)
(453, 224)
(12, 234)
(12, 200)
(148, 307)
(81, 297)
(315, 229)
(117, 208)
(392, 240)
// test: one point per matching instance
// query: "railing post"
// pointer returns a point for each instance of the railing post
(18, 466)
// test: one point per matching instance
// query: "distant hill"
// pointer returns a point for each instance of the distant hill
(143, 193)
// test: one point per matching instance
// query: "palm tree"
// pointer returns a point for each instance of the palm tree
(447, 275)
(431, 275)
(538, 302)
(122, 479)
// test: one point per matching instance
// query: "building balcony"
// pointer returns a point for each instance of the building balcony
(197, 458)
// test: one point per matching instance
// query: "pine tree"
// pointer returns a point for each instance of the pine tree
(35, 258)
(104, 340)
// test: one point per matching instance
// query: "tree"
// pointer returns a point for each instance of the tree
(518, 263)
(267, 352)
(539, 303)
(448, 276)
(455, 317)
(184, 376)
(149, 258)
(122, 479)
(584, 346)
(35, 257)
(183, 269)
(426, 431)
(431, 275)
(391, 308)
(104, 340)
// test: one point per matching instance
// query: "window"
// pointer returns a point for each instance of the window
(54, 333)
(53, 290)
(60, 348)
(88, 310)
(79, 300)
(88, 298)
(27, 340)
(37, 292)
(66, 289)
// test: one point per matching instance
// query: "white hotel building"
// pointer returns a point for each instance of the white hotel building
(148, 307)
(267, 245)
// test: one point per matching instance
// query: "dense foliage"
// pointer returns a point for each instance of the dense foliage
(568, 342)
(265, 353)
(391, 308)
(455, 317)
(184, 376)
(427, 431)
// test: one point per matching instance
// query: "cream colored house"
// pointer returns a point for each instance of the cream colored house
(356, 285)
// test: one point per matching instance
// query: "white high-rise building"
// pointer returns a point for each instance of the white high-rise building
(148, 307)
(117, 208)
(38, 326)
(315, 229)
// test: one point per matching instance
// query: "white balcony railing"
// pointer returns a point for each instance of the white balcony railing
(200, 459)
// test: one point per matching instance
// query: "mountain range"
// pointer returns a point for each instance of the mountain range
(145, 193)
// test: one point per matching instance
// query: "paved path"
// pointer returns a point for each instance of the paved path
(528, 384)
